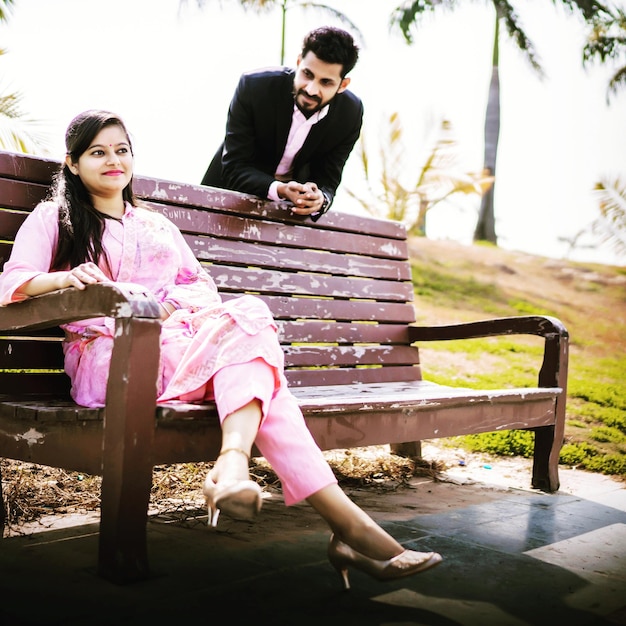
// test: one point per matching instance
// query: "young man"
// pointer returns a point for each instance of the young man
(290, 131)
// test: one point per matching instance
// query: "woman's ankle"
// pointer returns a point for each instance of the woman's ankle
(372, 541)
(231, 464)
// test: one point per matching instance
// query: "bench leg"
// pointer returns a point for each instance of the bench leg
(549, 439)
(3, 509)
(546, 460)
(409, 449)
(127, 455)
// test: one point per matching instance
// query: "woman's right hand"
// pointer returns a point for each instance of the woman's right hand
(82, 275)
(78, 277)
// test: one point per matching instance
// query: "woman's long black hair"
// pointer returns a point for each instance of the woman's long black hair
(80, 224)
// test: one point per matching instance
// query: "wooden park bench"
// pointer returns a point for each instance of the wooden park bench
(341, 292)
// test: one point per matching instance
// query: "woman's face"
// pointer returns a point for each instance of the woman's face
(106, 167)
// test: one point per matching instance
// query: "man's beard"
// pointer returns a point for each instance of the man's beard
(307, 111)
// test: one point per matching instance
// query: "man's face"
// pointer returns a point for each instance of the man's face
(316, 83)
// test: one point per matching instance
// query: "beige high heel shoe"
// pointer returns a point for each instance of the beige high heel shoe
(239, 499)
(407, 563)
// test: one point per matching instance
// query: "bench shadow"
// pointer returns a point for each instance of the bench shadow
(518, 559)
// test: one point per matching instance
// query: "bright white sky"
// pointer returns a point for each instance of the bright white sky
(170, 73)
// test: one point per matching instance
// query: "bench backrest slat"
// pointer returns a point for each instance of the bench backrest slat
(17, 353)
(11, 222)
(178, 196)
(259, 231)
(19, 195)
(319, 331)
(350, 376)
(311, 355)
(307, 284)
(240, 253)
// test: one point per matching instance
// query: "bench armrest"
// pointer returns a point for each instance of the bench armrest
(129, 416)
(553, 371)
(68, 305)
(519, 325)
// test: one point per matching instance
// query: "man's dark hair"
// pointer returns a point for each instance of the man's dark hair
(332, 45)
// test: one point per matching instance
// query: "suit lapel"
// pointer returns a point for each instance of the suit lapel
(284, 113)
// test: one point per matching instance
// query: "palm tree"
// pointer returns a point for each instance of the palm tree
(607, 40)
(437, 180)
(16, 132)
(409, 15)
(284, 5)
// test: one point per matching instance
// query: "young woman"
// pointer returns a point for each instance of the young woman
(92, 229)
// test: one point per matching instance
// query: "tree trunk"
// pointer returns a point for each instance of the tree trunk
(282, 32)
(419, 228)
(486, 225)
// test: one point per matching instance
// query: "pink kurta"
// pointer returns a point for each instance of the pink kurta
(199, 341)
(201, 336)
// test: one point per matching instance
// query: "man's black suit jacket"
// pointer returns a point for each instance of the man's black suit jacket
(257, 127)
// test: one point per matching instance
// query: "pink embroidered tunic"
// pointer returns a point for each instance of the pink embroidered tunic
(201, 336)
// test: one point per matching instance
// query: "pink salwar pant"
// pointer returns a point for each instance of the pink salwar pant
(283, 437)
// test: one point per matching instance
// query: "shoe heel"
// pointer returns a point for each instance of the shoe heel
(342, 570)
(338, 564)
(209, 494)
(239, 500)
(214, 514)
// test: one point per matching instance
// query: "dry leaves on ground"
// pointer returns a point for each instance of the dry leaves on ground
(31, 491)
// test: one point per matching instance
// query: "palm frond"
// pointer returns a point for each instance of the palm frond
(606, 42)
(610, 226)
(589, 9)
(508, 16)
(410, 14)
(17, 133)
(617, 82)
(5, 9)
(342, 18)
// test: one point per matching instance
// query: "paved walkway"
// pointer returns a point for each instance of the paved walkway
(512, 557)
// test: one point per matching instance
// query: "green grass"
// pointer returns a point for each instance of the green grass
(595, 432)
